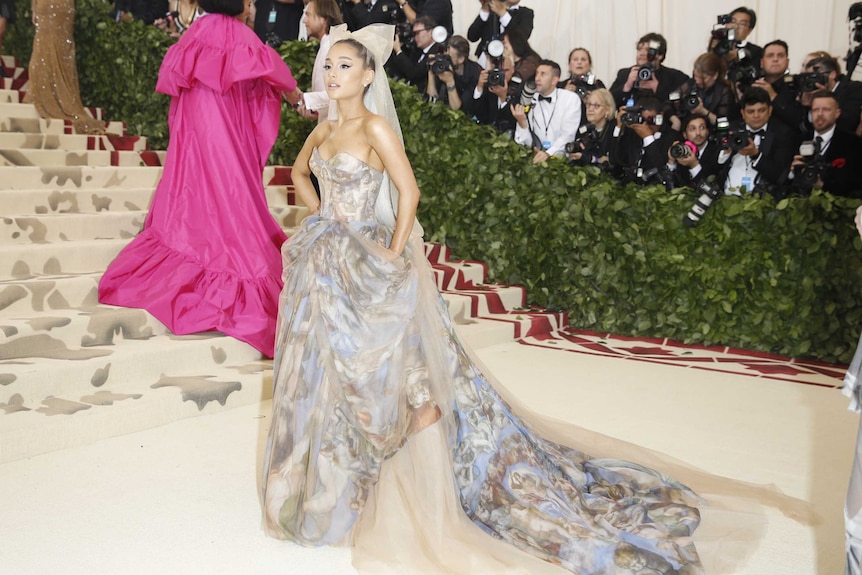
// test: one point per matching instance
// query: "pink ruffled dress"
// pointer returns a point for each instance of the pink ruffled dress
(209, 256)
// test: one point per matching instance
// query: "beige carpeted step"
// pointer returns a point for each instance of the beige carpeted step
(78, 177)
(70, 142)
(20, 261)
(36, 157)
(46, 293)
(53, 201)
(54, 228)
(135, 385)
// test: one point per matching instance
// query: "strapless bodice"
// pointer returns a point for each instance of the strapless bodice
(348, 187)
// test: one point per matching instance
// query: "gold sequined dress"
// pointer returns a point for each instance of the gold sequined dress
(53, 71)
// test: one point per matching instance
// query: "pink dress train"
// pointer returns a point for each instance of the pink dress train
(209, 256)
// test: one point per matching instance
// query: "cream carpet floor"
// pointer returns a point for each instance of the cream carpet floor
(183, 498)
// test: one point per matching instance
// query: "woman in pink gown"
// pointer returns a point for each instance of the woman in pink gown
(209, 256)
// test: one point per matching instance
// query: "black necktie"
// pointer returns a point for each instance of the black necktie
(819, 141)
(547, 99)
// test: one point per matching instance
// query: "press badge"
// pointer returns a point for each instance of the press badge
(546, 145)
(746, 183)
(271, 16)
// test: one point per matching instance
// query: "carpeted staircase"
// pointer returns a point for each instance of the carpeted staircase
(73, 371)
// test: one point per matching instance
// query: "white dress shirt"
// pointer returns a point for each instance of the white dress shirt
(555, 123)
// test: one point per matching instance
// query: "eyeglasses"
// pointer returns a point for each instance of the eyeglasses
(741, 23)
(594, 105)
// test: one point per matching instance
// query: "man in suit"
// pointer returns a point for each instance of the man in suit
(742, 22)
(489, 105)
(651, 50)
(639, 151)
(438, 10)
(412, 64)
(698, 163)
(360, 13)
(495, 17)
(554, 116)
(848, 92)
(837, 164)
(764, 161)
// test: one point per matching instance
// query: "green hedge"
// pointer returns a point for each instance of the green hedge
(784, 278)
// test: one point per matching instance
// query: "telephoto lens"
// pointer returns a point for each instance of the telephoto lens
(682, 149)
(709, 193)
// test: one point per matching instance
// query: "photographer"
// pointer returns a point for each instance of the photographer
(742, 21)
(648, 73)
(452, 76)
(696, 157)
(411, 64)
(641, 141)
(848, 92)
(554, 116)
(438, 10)
(757, 151)
(707, 93)
(494, 18)
(835, 164)
(489, 102)
(595, 138)
(581, 79)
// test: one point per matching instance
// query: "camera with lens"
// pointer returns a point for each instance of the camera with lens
(632, 115)
(587, 140)
(709, 192)
(745, 74)
(807, 82)
(682, 104)
(723, 19)
(521, 92)
(806, 175)
(736, 140)
(496, 76)
(725, 40)
(583, 83)
(440, 63)
(682, 149)
(647, 70)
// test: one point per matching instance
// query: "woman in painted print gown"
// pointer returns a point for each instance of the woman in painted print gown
(385, 434)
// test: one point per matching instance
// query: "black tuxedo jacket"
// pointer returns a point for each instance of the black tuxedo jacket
(483, 31)
(412, 66)
(358, 16)
(486, 110)
(842, 174)
(849, 95)
(777, 147)
(668, 80)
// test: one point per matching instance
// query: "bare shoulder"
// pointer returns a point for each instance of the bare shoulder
(377, 129)
(321, 132)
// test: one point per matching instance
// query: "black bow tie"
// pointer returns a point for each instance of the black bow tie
(760, 133)
(548, 99)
